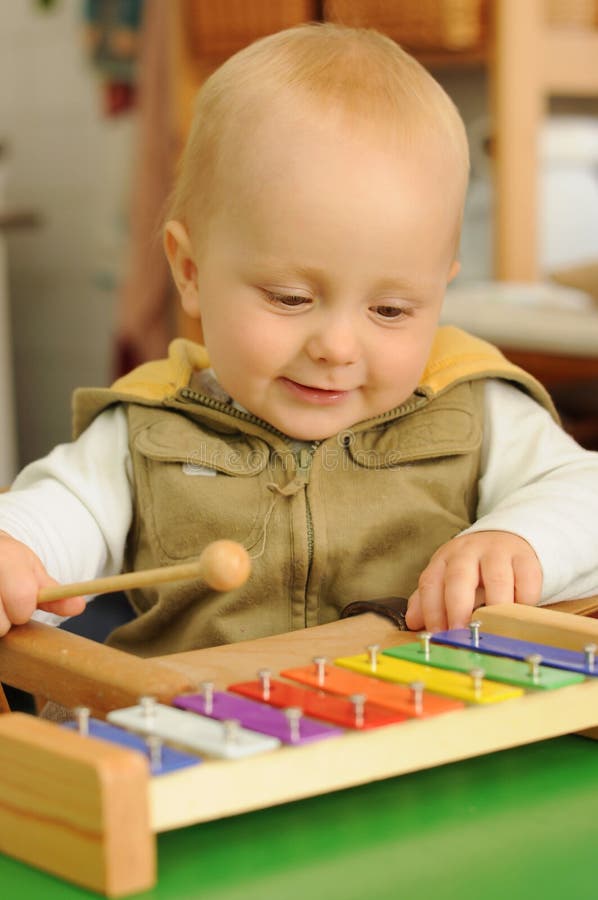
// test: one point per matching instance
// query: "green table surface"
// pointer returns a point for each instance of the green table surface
(516, 824)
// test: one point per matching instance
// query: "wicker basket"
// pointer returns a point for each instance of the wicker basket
(417, 24)
(579, 13)
(216, 30)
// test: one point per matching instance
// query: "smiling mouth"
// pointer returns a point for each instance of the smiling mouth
(313, 394)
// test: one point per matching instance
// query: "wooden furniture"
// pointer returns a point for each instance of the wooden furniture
(89, 811)
(572, 382)
(532, 59)
(493, 825)
(538, 50)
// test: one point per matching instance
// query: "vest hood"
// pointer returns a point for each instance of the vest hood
(455, 357)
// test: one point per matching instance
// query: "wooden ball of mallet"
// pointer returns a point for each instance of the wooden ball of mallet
(224, 565)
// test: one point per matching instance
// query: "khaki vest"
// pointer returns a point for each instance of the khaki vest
(353, 517)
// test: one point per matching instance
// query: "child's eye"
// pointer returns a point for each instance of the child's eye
(288, 300)
(386, 311)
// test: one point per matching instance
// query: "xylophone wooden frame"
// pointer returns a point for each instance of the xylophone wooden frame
(89, 812)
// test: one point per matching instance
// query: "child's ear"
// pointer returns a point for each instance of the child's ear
(179, 252)
(454, 270)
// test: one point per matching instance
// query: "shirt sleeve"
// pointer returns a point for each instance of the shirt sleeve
(73, 508)
(538, 483)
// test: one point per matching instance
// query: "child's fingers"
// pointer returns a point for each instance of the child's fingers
(462, 580)
(486, 568)
(448, 590)
(71, 606)
(528, 579)
(5, 623)
(18, 594)
(498, 578)
(431, 588)
(22, 575)
(414, 618)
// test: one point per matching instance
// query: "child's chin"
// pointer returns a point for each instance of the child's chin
(313, 435)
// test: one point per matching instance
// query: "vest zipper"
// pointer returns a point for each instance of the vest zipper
(303, 457)
(220, 406)
(304, 460)
(419, 399)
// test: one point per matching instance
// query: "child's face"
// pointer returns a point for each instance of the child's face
(321, 278)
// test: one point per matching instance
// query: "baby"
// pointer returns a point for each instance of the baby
(356, 449)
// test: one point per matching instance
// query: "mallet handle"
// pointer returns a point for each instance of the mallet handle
(224, 565)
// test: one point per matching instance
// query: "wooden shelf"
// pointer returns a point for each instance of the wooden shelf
(458, 59)
(530, 62)
(570, 62)
(573, 383)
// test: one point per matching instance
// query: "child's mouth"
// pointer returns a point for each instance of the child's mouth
(313, 394)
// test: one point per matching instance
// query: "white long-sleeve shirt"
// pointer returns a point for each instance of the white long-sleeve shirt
(74, 506)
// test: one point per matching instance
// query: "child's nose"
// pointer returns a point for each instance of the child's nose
(334, 341)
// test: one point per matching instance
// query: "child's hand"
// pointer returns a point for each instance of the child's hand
(484, 568)
(21, 577)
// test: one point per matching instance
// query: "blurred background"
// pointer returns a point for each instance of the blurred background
(95, 100)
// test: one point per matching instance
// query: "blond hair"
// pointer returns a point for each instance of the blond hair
(359, 72)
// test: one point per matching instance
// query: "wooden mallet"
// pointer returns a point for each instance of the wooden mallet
(224, 565)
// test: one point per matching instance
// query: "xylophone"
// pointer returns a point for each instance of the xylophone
(301, 714)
